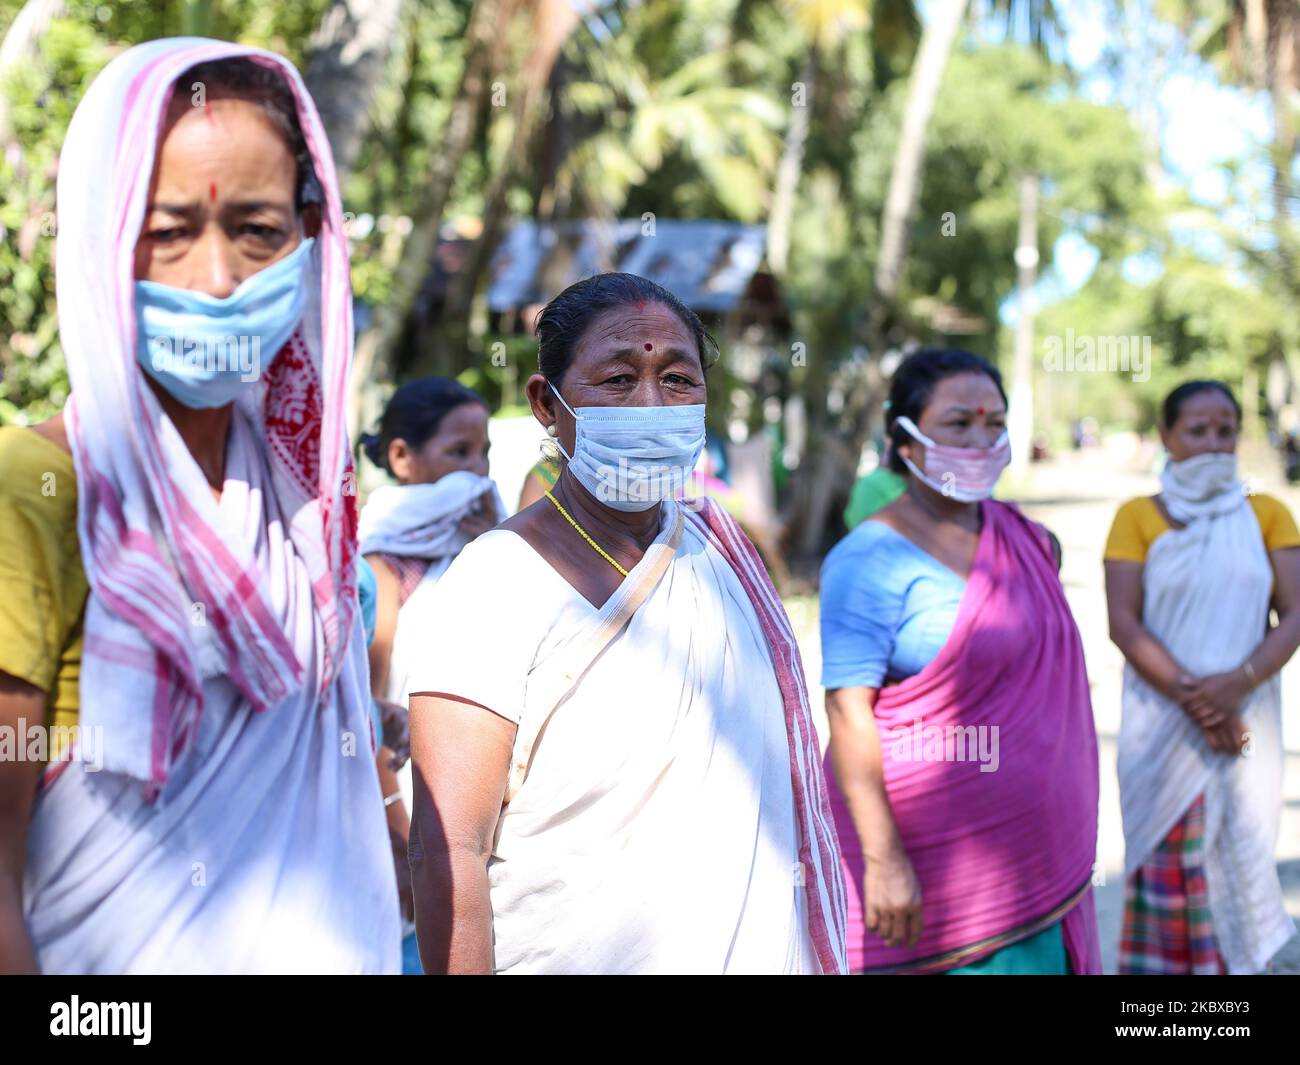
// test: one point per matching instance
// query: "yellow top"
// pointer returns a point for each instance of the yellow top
(547, 471)
(1139, 522)
(42, 583)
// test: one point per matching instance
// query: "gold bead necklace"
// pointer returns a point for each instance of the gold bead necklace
(583, 533)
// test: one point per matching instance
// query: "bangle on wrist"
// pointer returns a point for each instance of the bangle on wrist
(1250, 672)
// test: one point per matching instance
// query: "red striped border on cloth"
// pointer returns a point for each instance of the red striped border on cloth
(819, 852)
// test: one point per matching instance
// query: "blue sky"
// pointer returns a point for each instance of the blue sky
(1202, 125)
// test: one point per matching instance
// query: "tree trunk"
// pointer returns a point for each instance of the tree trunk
(1282, 78)
(553, 21)
(905, 178)
(349, 58)
(790, 170)
(1021, 416)
(373, 360)
(196, 18)
(814, 480)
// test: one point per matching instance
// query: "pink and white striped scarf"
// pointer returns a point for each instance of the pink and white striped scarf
(819, 852)
(156, 546)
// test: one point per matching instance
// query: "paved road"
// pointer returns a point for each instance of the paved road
(1076, 498)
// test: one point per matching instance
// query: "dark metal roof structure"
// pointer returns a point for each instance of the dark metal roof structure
(708, 265)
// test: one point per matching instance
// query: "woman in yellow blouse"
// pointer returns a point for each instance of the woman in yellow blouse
(540, 480)
(40, 629)
(1191, 576)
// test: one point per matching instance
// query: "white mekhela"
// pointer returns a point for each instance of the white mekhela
(657, 829)
(1206, 592)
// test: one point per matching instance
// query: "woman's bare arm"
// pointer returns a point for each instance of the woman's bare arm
(857, 760)
(1155, 664)
(1280, 643)
(1142, 650)
(19, 701)
(461, 757)
(1219, 696)
(892, 897)
(387, 603)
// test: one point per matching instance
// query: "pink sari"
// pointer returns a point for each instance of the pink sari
(1001, 854)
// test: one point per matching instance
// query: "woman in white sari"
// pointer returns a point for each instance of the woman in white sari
(1191, 575)
(433, 440)
(218, 809)
(615, 768)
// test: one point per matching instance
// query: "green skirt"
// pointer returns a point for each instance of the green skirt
(1042, 954)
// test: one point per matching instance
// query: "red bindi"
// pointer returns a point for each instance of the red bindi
(649, 347)
(979, 411)
(212, 191)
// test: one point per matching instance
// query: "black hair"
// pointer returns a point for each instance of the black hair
(913, 386)
(1173, 405)
(244, 78)
(564, 320)
(414, 413)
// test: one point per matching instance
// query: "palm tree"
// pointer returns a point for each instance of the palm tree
(349, 58)
(904, 179)
(1256, 43)
(373, 358)
(824, 24)
(635, 117)
(552, 23)
(1031, 20)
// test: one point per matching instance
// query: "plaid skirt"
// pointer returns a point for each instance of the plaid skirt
(1167, 925)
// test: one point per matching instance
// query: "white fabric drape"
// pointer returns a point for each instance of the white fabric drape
(267, 850)
(421, 520)
(1206, 592)
(655, 831)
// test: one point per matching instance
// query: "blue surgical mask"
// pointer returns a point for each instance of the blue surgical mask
(631, 458)
(206, 351)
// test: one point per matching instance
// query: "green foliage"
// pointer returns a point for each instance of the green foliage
(1004, 112)
(668, 111)
(41, 97)
(1200, 319)
(681, 109)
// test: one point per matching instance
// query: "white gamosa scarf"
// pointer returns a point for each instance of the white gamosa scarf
(1206, 591)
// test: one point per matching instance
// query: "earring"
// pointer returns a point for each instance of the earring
(550, 430)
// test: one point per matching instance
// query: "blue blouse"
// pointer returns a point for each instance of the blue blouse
(887, 608)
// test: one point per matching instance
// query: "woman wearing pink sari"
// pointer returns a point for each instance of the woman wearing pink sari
(963, 761)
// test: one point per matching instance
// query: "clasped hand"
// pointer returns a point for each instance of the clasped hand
(1214, 702)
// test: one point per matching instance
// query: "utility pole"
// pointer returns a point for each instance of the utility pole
(1020, 419)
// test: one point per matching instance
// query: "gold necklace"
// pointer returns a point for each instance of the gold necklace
(583, 533)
